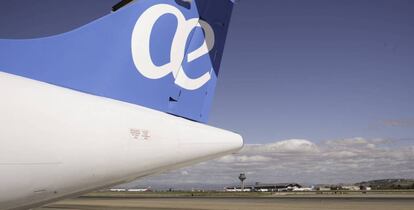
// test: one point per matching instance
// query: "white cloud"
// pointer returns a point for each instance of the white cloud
(293, 146)
(243, 159)
(349, 142)
(299, 160)
(340, 154)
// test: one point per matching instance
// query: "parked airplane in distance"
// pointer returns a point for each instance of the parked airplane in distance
(123, 97)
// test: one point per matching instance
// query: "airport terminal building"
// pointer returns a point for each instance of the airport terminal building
(265, 187)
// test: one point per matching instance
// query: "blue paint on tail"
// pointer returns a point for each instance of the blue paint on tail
(100, 58)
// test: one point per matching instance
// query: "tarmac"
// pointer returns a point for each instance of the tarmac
(237, 203)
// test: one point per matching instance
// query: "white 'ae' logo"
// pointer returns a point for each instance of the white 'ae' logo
(141, 46)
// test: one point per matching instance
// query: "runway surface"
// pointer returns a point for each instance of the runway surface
(238, 203)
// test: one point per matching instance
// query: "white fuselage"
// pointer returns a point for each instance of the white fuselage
(57, 143)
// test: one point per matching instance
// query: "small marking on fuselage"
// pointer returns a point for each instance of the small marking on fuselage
(140, 134)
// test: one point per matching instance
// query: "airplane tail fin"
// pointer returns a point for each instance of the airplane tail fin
(161, 54)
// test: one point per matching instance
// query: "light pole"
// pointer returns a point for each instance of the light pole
(242, 177)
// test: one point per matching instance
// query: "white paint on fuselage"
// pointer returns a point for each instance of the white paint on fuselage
(57, 143)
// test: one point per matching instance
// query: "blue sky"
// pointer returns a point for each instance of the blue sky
(318, 70)
(323, 89)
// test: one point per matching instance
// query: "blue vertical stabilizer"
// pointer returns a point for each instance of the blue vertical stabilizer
(161, 54)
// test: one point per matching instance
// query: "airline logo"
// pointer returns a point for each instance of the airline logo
(141, 54)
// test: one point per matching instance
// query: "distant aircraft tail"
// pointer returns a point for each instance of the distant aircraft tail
(161, 54)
